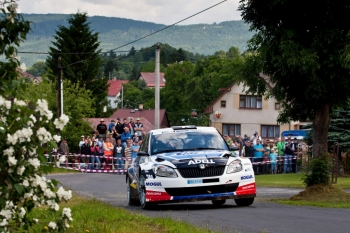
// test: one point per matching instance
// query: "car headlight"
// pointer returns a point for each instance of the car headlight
(165, 171)
(234, 166)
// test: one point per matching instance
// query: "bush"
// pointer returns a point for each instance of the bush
(318, 172)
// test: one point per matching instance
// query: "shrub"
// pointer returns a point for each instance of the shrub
(318, 171)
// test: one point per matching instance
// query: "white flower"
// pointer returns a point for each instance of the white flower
(58, 164)
(12, 139)
(42, 107)
(1, 36)
(7, 104)
(62, 159)
(20, 170)
(43, 135)
(52, 225)
(22, 212)
(36, 220)
(9, 151)
(4, 222)
(34, 162)
(56, 207)
(12, 161)
(13, 7)
(33, 118)
(48, 193)
(6, 213)
(67, 212)
(19, 102)
(57, 138)
(61, 122)
(62, 194)
(25, 183)
(30, 123)
(3, 119)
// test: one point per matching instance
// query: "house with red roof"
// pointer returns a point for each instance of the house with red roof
(150, 79)
(114, 91)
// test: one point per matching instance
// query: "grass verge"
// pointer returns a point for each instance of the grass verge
(90, 215)
(293, 180)
(329, 196)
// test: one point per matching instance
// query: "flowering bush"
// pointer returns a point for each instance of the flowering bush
(26, 133)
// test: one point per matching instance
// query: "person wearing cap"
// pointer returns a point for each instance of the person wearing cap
(245, 138)
(81, 142)
(111, 124)
(102, 129)
(255, 137)
(138, 128)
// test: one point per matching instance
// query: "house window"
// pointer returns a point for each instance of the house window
(231, 129)
(250, 101)
(270, 131)
(277, 106)
(223, 103)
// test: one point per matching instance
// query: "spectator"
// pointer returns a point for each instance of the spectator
(86, 152)
(288, 155)
(112, 137)
(64, 149)
(237, 145)
(81, 142)
(258, 157)
(295, 155)
(131, 126)
(128, 152)
(100, 143)
(265, 164)
(228, 140)
(111, 125)
(119, 127)
(280, 147)
(94, 156)
(108, 153)
(245, 138)
(255, 137)
(102, 129)
(119, 155)
(125, 135)
(273, 159)
(248, 150)
(138, 128)
(135, 148)
(143, 134)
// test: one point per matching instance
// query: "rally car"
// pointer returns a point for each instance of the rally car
(188, 163)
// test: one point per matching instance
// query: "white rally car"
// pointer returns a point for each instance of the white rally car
(188, 163)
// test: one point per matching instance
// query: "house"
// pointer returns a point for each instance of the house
(114, 92)
(146, 117)
(236, 113)
(31, 77)
(150, 79)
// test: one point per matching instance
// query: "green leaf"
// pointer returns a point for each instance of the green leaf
(19, 188)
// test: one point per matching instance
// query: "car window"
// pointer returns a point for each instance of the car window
(179, 141)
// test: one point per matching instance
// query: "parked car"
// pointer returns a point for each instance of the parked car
(300, 134)
(185, 164)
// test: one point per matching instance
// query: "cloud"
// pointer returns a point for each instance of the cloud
(157, 11)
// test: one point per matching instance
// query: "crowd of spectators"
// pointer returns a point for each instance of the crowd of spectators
(112, 146)
(270, 156)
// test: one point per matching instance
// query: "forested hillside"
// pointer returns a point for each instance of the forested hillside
(115, 32)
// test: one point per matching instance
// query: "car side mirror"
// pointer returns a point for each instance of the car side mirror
(142, 153)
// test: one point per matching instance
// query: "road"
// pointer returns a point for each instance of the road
(262, 216)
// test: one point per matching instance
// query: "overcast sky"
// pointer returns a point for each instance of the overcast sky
(157, 11)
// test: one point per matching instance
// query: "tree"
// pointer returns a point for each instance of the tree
(110, 67)
(27, 133)
(79, 50)
(301, 47)
(38, 69)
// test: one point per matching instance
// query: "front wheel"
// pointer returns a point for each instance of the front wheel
(218, 202)
(131, 202)
(244, 201)
(142, 194)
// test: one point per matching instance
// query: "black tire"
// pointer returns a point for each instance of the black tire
(218, 202)
(244, 201)
(130, 200)
(142, 194)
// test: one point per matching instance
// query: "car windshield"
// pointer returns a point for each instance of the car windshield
(180, 141)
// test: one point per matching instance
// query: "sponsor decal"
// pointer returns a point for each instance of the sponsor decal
(248, 186)
(246, 189)
(247, 177)
(197, 161)
(248, 169)
(157, 196)
(153, 183)
(154, 193)
(246, 164)
(194, 181)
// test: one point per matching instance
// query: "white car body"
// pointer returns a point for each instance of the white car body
(196, 174)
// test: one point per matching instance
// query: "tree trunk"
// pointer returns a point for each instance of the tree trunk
(321, 124)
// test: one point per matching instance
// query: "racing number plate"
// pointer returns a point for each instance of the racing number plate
(195, 181)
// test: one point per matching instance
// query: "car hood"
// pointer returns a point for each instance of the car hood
(189, 159)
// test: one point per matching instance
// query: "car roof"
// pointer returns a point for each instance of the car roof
(187, 128)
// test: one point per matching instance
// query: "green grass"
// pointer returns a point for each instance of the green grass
(56, 170)
(90, 215)
(292, 180)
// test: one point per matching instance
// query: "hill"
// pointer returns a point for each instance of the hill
(115, 32)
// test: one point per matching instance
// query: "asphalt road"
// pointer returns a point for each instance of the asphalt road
(262, 216)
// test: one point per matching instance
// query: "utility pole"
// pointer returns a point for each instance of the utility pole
(59, 88)
(157, 99)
